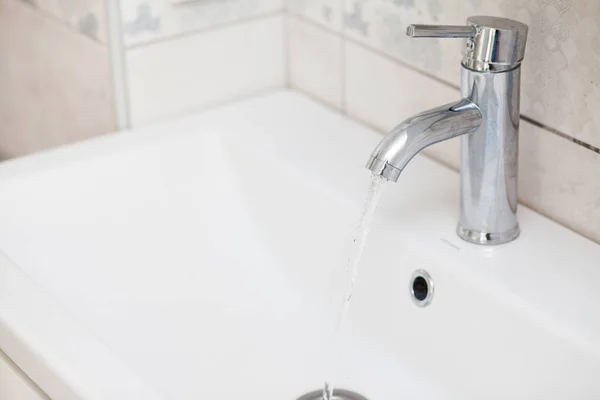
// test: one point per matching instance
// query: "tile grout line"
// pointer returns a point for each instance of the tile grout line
(216, 27)
(374, 51)
(118, 65)
(62, 22)
(441, 81)
(287, 48)
(343, 100)
(356, 119)
(561, 134)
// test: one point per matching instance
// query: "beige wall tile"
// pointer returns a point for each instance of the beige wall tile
(381, 24)
(561, 72)
(324, 12)
(86, 16)
(55, 83)
(382, 93)
(149, 20)
(176, 76)
(558, 178)
(315, 61)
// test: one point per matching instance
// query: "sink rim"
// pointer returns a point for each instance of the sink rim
(494, 273)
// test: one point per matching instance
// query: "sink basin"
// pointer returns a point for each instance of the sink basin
(205, 258)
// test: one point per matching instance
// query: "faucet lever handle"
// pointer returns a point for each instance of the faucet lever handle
(492, 44)
(441, 31)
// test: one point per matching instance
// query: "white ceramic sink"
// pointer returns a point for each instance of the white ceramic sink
(204, 257)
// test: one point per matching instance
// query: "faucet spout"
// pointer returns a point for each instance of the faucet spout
(416, 133)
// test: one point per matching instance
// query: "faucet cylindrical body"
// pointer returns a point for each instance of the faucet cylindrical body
(489, 158)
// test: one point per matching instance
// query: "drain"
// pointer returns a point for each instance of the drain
(421, 288)
(338, 394)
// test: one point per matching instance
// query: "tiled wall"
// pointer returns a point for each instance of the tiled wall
(59, 83)
(354, 56)
(184, 57)
(55, 83)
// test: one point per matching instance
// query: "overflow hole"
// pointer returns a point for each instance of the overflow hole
(421, 288)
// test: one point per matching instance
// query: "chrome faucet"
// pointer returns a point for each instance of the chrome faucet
(487, 117)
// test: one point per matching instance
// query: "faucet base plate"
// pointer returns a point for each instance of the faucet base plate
(486, 238)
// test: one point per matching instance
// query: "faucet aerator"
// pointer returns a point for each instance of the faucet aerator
(382, 168)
